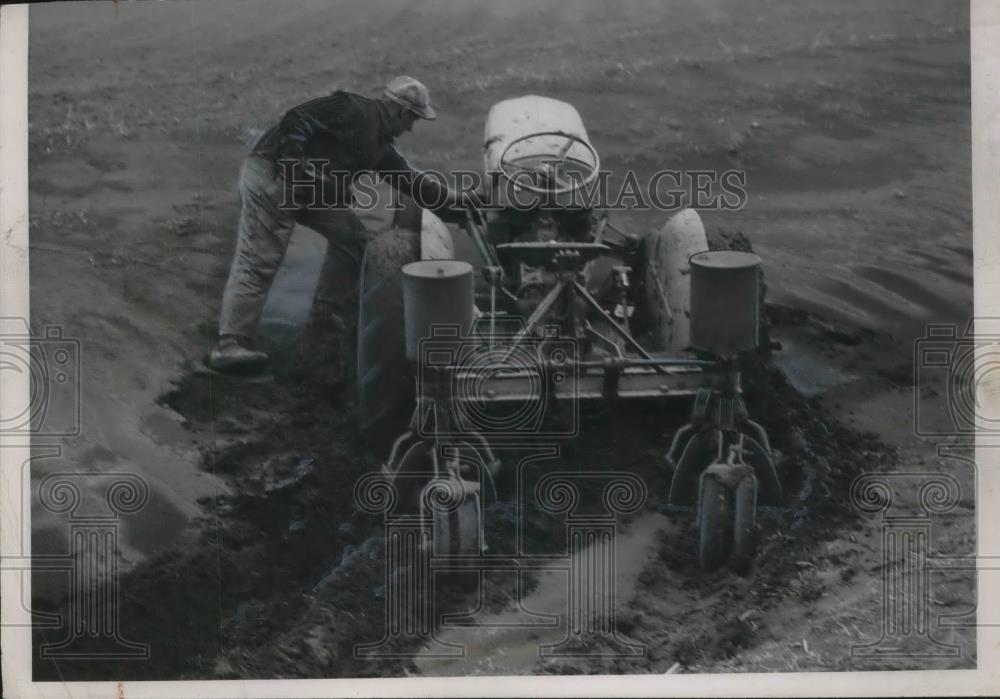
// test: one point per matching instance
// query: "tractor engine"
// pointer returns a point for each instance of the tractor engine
(530, 284)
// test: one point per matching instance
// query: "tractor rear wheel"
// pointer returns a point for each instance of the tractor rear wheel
(663, 312)
(385, 392)
(714, 523)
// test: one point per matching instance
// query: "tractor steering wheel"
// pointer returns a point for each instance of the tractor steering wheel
(525, 171)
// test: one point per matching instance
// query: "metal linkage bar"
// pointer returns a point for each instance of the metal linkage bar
(631, 382)
(540, 311)
(631, 341)
(609, 362)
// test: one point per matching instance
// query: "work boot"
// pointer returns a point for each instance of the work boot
(230, 355)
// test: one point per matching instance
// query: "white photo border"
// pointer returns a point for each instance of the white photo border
(15, 634)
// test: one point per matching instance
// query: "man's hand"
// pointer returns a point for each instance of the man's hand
(456, 204)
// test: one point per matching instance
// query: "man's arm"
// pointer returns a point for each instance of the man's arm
(425, 188)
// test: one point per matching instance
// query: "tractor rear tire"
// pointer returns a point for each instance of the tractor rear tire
(385, 392)
(744, 526)
(663, 313)
(714, 523)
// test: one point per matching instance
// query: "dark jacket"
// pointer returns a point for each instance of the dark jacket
(349, 134)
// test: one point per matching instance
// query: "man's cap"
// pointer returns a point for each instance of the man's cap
(412, 94)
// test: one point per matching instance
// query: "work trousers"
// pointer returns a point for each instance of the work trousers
(264, 231)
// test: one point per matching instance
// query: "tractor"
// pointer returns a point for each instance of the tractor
(565, 310)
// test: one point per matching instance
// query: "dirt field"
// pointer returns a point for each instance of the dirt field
(852, 121)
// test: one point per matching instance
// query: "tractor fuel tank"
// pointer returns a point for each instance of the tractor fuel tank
(725, 301)
(436, 294)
